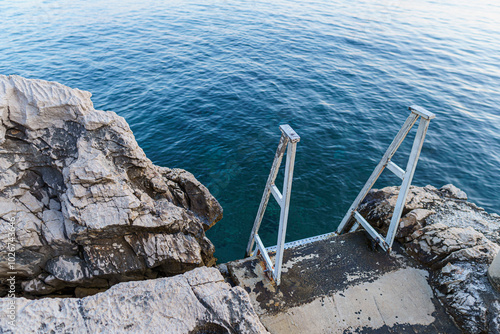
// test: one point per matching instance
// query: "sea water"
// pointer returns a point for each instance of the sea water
(205, 85)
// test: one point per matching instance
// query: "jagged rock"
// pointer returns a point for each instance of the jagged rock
(494, 272)
(412, 221)
(437, 241)
(83, 199)
(450, 190)
(455, 239)
(198, 301)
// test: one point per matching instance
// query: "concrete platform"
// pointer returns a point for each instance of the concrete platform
(341, 285)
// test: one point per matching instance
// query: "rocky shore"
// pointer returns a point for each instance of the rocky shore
(119, 245)
(82, 204)
(456, 241)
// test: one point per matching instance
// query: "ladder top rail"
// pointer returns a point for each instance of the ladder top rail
(422, 112)
(290, 133)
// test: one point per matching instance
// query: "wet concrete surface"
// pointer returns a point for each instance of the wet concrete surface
(342, 285)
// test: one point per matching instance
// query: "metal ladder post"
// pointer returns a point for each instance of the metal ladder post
(407, 176)
(285, 204)
(288, 138)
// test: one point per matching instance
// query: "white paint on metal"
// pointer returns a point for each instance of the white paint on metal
(422, 112)
(265, 255)
(267, 190)
(289, 138)
(290, 133)
(277, 194)
(405, 187)
(354, 227)
(371, 231)
(396, 169)
(410, 121)
(304, 241)
(407, 176)
(287, 189)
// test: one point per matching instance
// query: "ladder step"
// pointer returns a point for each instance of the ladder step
(277, 194)
(303, 241)
(422, 112)
(371, 231)
(396, 170)
(354, 227)
(290, 133)
(263, 252)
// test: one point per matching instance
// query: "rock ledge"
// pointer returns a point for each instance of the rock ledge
(198, 301)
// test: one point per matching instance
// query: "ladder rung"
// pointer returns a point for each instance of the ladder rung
(371, 231)
(396, 170)
(264, 253)
(277, 194)
(354, 227)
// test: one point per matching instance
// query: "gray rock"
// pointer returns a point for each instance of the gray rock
(437, 241)
(412, 221)
(197, 302)
(494, 272)
(451, 191)
(68, 268)
(74, 184)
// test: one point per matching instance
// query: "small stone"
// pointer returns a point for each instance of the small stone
(448, 269)
(451, 191)
(54, 205)
(36, 286)
(494, 272)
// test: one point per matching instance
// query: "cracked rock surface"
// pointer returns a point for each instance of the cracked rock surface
(196, 302)
(81, 204)
(455, 239)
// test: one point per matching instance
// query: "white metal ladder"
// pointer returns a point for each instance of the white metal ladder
(405, 175)
(288, 138)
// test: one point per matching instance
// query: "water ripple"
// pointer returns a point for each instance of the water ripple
(205, 84)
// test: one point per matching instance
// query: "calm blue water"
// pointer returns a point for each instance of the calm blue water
(205, 85)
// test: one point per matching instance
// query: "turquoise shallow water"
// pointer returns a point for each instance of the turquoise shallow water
(205, 85)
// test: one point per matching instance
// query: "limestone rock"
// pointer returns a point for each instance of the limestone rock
(494, 272)
(412, 221)
(198, 301)
(454, 238)
(450, 190)
(437, 241)
(84, 202)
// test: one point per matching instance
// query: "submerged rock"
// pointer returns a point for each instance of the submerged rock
(81, 204)
(196, 302)
(456, 240)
